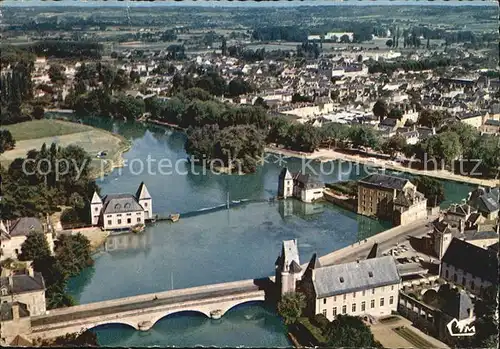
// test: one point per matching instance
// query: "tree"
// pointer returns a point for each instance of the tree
(56, 74)
(432, 118)
(362, 136)
(396, 143)
(395, 114)
(7, 142)
(260, 102)
(432, 188)
(380, 109)
(35, 247)
(291, 305)
(349, 332)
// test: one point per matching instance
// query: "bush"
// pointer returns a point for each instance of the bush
(320, 321)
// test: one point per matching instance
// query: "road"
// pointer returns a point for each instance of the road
(386, 240)
(142, 305)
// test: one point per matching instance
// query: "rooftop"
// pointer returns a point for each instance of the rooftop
(385, 181)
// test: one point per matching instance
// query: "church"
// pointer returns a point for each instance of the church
(121, 211)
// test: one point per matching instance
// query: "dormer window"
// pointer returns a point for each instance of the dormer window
(127, 206)
(118, 206)
(370, 274)
(341, 279)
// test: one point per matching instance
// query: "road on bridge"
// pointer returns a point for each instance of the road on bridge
(143, 305)
(385, 240)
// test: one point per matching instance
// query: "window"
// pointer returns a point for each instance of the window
(446, 274)
(344, 309)
(118, 207)
(129, 214)
(119, 221)
(324, 312)
(354, 295)
(364, 293)
(119, 215)
(454, 277)
(138, 219)
(391, 299)
(145, 204)
(324, 300)
(138, 214)
(372, 303)
(381, 302)
(129, 220)
(127, 206)
(363, 306)
(334, 311)
(4, 291)
(96, 209)
(373, 291)
(341, 279)
(109, 223)
(353, 307)
(345, 296)
(109, 216)
(334, 298)
(392, 288)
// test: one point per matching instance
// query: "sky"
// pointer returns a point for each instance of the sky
(212, 3)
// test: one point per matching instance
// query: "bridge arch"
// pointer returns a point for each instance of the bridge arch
(111, 322)
(155, 320)
(244, 303)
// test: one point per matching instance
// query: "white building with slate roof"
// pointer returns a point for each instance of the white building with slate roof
(122, 211)
(367, 287)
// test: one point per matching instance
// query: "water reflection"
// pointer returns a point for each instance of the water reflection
(128, 241)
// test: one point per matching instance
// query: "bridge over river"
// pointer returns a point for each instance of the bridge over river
(143, 311)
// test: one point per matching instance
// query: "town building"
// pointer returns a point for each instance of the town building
(392, 198)
(486, 201)
(301, 186)
(15, 323)
(27, 288)
(122, 211)
(367, 287)
(13, 234)
(469, 266)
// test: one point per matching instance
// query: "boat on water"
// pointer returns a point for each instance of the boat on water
(174, 217)
(138, 228)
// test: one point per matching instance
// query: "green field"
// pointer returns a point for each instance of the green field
(44, 128)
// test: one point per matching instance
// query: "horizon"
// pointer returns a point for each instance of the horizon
(242, 4)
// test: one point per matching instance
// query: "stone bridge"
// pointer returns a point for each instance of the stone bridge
(143, 311)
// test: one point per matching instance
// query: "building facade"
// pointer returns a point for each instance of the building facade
(301, 186)
(367, 287)
(469, 266)
(27, 289)
(391, 198)
(13, 234)
(122, 211)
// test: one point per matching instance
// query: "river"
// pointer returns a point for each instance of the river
(211, 243)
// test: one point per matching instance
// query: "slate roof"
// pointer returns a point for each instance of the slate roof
(485, 200)
(351, 277)
(96, 199)
(23, 283)
(23, 226)
(285, 174)
(6, 311)
(142, 192)
(307, 181)
(121, 203)
(289, 255)
(385, 181)
(472, 259)
(460, 306)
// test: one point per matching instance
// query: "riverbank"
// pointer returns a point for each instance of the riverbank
(324, 155)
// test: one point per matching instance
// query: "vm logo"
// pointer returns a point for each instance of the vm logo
(461, 328)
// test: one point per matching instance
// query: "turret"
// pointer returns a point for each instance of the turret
(144, 199)
(285, 184)
(288, 269)
(95, 208)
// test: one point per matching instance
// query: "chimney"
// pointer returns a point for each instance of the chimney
(11, 281)
(30, 271)
(15, 311)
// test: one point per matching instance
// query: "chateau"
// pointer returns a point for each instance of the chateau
(122, 211)
(301, 186)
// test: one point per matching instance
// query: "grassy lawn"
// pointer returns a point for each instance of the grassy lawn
(413, 338)
(33, 134)
(44, 128)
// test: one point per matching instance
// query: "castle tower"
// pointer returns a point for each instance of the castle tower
(145, 200)
(95, 209)
(285, 184)
(288, 269)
